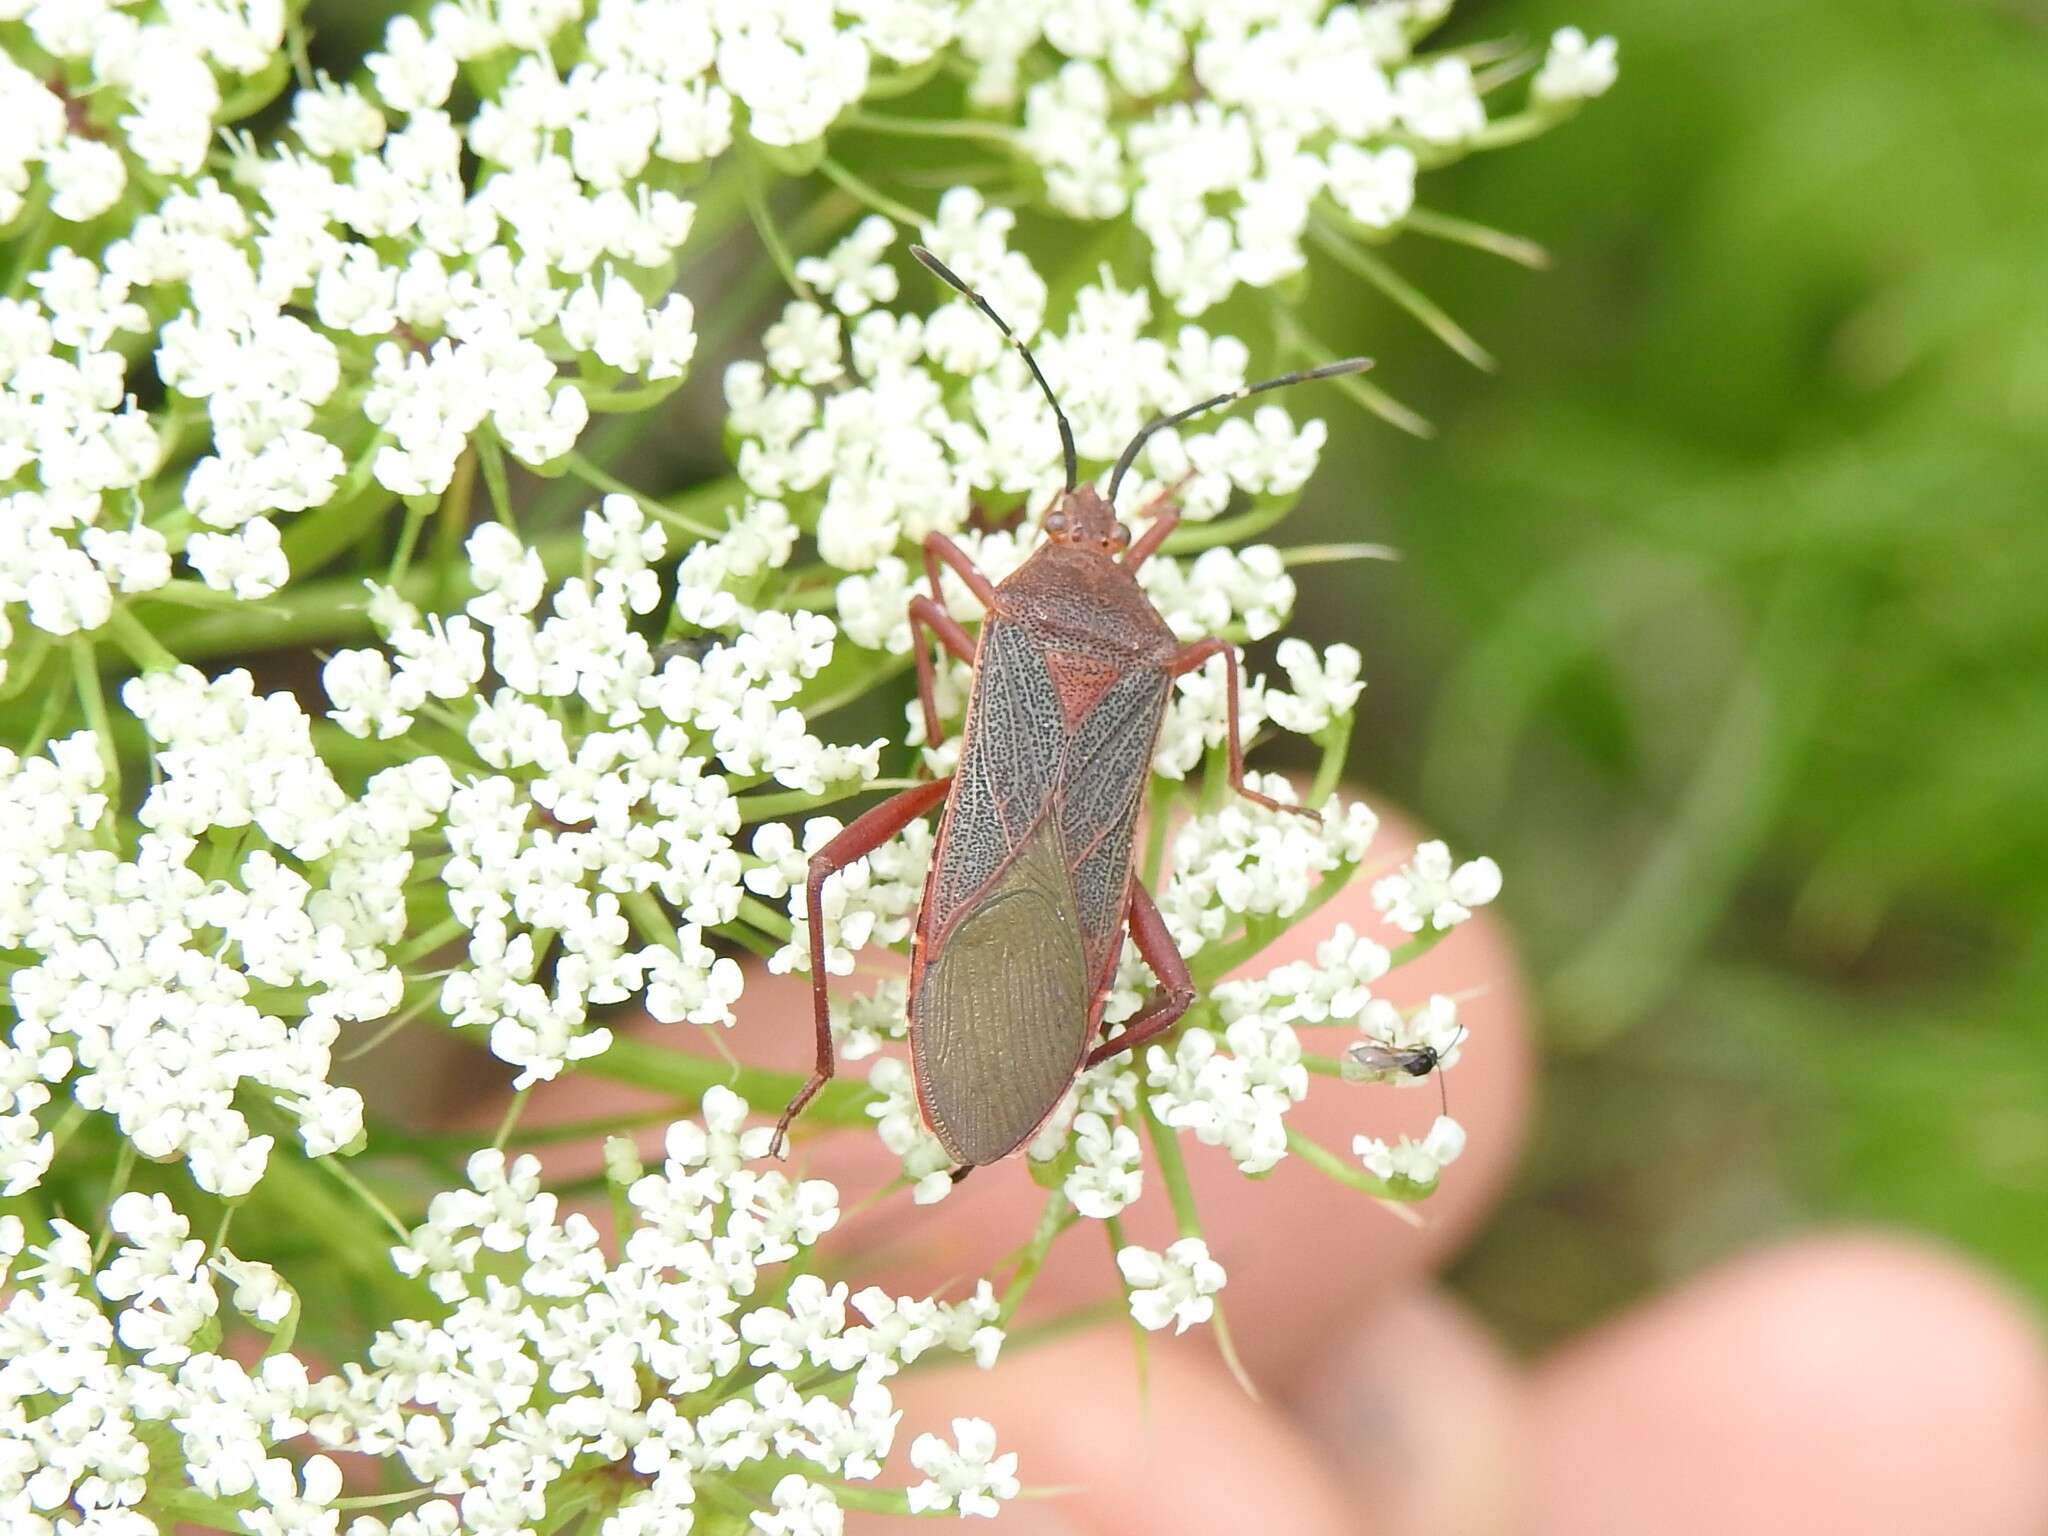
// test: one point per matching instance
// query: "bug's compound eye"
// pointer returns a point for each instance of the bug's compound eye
(1121, 538)
(1055, 523)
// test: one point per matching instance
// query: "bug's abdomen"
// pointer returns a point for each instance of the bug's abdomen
(1000, 1016)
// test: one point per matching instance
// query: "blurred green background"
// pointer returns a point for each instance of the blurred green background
(1723, 624)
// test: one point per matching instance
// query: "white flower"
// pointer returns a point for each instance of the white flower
(852, 275)
(968, 1475)
(1376, 187)
(1438, 101)
(1428, 893)
(1575, 69)
(1171, 1287)
(1107, 1176)
(1409, 1161)
(1325, 686)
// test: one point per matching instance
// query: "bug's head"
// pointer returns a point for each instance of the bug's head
(1083, 520)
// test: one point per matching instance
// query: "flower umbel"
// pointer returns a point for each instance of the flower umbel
(354, 697)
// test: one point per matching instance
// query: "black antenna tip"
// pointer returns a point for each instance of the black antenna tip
(1334, 370)
(944, 273)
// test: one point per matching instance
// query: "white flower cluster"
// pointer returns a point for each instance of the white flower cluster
(1225, 126)
(608, 777)
(363, 243)
(208, 969)
(1429, 893)
(1177, 1286)
(546, 1372)
(891, 426)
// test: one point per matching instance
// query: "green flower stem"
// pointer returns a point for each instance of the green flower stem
(1141, 1341)
(1059, 1214)
(1349, 253)
(117, 1185)
(447, 931)
(604, 480)
(449, 566)
(1321, 1158)
(755, 808)
(416, 508)
(147, 652)
(766, 918)
(1370, 396)
(1190, 537)
(749, 175)
(85, 677)
(1444, 226)
(881, 202)
(337, 1170)
(688, 1077)
(1296, 555)
(1416, 947)
(391, 1140)
(1213, 963)
(1336, 743)
(932, 128)
(491, 454)
(1180, 1193)
(643, 397)
(509, 1121)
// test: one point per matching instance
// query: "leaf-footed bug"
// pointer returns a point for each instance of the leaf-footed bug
(1030, 889)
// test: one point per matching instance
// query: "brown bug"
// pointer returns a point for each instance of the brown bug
(1030, 888)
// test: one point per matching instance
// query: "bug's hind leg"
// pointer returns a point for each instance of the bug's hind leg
(1197, 655)
(860, 838)
(1176, 992)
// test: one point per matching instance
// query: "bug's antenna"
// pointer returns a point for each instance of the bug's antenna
(1160, 423)
(946, 275)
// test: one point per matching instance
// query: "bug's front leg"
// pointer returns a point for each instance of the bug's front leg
(1196, 655)
(929, 612)
(1176, 992)
(1164, 510)
(857, 840)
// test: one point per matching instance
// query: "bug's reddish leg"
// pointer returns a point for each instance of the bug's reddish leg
(1164, 511)
(1193, 656)
(1176, 986)
(938, 547)
(927, 612)
(860, 838)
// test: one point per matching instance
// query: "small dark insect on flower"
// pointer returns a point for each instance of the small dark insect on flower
(1379, 1061)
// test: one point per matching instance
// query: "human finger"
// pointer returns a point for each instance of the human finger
(1187, 1453)
(1839, 1384)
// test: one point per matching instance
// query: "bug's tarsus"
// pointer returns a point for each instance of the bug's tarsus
(951, 279)
(1161, 423)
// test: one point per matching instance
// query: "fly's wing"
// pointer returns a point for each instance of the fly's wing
(1001, 1010)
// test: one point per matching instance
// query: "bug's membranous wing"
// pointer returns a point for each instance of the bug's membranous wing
(1002, 1009)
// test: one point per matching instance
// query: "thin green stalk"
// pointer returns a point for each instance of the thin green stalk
(509, 1121)
(604, 480)
(117, 1185)
(1349, 253)
(147, 652)
(85, 677)
(755, 808)
(771, 237)
(1370, 396)
(339, 1172)
(1058, 1215)
(1480, 237)
(932, 128)
(1336, 740)
(1323, 1160)
(1180, 1193)
(688, 1077)
(1334, 554)
(416, 509)
(492, 456)
(881, 202)
(449, 566)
